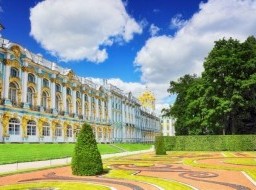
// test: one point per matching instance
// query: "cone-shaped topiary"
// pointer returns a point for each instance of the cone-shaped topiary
(160, 146)
(86, 159)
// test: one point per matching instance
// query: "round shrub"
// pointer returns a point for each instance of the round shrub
(86, 160)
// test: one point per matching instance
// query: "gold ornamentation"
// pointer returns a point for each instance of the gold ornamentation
(16, 51)
(41, 121)
(12, 63)
(28, 69)
(147, 99)
(71, 75)
(5, 123)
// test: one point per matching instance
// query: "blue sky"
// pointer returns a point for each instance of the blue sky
(133, 43)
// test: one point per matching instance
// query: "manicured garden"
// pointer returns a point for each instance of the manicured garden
(179, 170)
(11, 153)
(55, 185)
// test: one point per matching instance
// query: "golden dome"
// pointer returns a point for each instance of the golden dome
(147, 99)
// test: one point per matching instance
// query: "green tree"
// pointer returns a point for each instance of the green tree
(86, 160)
(186, 105)
(228, 68)
(223, 100)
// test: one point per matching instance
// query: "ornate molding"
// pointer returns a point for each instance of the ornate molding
(16, 51)
(12, 63)
(28, 69)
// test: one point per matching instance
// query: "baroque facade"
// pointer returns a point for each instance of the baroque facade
(43, 102)
(168, 128)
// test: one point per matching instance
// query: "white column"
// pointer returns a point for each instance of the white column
(89, 107)
(110, 108)
(39, 90)
(97, 108)
(24, 86)
(83, 111)
(64, 96)
(103, 109)
(53, 92)
(6, 81)
(74, 101)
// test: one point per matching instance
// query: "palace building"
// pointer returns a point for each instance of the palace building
(43, 102)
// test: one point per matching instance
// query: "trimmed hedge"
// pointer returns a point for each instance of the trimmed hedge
(159, 144)
(210, 143)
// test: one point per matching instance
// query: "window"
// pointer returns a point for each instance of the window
(68, 106)
(46, 129)
(14, 126)
(44, 100)
(58, 131)
(69, 131)
(14, 72)
(77, 107)
(77, 132)
(30, 96)
(13, 92)
(45, 83)
(77, 94)
(58, 103)
(85, 98)
(31, 78)
(68, 91)
(58, 88)
(31, 128)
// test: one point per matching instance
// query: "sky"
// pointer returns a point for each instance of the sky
(134, 44)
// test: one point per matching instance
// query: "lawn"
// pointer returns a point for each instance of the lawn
(12, 153)
(134, 147)
(55, 185)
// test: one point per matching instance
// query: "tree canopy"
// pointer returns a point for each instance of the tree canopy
(223, 99)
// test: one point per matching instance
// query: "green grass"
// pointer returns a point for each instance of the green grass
(12, 153)
(241, 161)
(134, 147)
(59, 185)
(165, 184)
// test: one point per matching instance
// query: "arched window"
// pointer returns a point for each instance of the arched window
(58, 103)
(45, 83)
(46, 129)
(31, 128)
(31, 78)
(13, 90)
(85, 98)
(68, 91)
(30, 96)
(68, 106)
(77, 132)
(69, 131)
(14, 72)
(78, 108)
(44, 100)
(77, 94)
(58, 88)
(58, 131)
(14, 126)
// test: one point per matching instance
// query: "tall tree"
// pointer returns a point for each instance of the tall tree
(223, 100)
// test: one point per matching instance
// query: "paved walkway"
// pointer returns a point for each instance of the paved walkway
(7, 168)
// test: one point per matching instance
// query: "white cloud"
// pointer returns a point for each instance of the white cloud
(81, 29)
(137, 88)
(177, 22)
(164, 58)
(153, 29)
